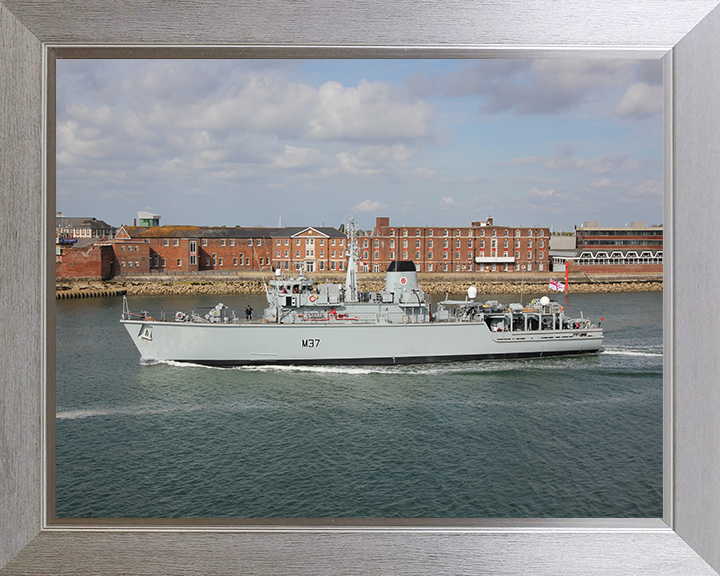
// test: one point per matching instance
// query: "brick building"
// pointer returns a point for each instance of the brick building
(635, 248)
(198, 248)
(480, 247)
(72, 227)
(85, 259)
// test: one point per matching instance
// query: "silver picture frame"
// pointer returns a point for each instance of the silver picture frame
(684, 33)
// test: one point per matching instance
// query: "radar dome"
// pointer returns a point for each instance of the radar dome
(544, 300)
(472, 292)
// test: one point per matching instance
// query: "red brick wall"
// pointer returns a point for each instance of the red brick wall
(473, 241)
(130, 257)
(90, 262)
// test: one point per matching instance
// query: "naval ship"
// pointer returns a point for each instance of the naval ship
(322, 324)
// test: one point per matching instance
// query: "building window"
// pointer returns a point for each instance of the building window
(297, 253)
(430, 255)
(176, 242)
(404, 232)
(430, 243)
(221, 261)
(277, 253)
(376, 243)
(417, 232)
(166, 243)
(469, 256)
(121, 264)
(529, 232)
(417, 255)
(457, 255)
(445, 267)
(541, 255)
(529, 255)
(446, 233)
(207, 262)
(247, 261)
(376, 255)
(163, 262)
(445, 255)
(234, 261)
(445, 243)
(392, 243)
(482, 233)
(494, 233)
(222, 242)
(430, 232)
(204, 242)
(392, 255)
(392, 232)
(179, 262)
(517, 255)
(122, 248)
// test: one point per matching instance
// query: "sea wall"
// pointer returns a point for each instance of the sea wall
(433, 286)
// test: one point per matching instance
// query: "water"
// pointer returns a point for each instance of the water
(554, 437)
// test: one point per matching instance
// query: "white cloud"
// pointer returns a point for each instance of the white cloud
(370, 206)
(524, 161)
(295, 157)
(641, 100)
(447, 201)
(542, 193)
(602, 183)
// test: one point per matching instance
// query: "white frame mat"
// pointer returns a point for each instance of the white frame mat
(684, 33)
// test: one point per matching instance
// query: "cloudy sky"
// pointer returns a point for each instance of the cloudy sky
(425, 142)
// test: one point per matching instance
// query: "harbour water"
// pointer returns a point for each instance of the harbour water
(555, 437)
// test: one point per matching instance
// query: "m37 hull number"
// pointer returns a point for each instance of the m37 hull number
(311, 343)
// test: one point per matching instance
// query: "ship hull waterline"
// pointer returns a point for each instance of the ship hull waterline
(349, 343)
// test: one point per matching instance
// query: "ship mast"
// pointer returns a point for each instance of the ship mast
(351, 278)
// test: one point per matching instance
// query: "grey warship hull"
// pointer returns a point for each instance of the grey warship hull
(356, 344)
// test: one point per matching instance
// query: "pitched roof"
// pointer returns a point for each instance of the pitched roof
(222, 232)
(197, 232)
(291, 231)
(76, 222)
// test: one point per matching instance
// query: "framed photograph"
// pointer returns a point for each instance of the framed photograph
(681, 33)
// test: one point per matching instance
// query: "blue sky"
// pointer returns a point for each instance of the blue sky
(426, 142)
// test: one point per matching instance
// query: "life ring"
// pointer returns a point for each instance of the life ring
(405, 319)
(312, 298)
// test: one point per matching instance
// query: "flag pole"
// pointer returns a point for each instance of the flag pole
(567, 283)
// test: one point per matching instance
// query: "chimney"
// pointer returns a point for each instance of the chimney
(134, 221)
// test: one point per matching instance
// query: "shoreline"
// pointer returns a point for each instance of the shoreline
(431, 285)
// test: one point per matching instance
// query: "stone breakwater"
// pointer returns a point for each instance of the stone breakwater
(435, 287)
